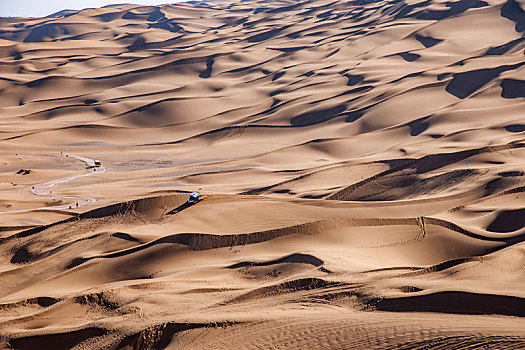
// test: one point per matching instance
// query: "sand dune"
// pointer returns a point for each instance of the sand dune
(362, 165)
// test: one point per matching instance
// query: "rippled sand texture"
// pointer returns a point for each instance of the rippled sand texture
(362, 164)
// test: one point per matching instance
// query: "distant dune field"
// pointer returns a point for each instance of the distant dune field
(362, 165)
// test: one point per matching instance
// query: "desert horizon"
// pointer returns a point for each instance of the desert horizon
(359, 164)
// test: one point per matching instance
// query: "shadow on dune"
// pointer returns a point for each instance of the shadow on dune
(57, 341)
(170, 26)
(502, 182)
(287, 8)
(417, 271)
(22, 255)
(427, 41)
(289, 49)
(46, 32)
(352, 116)
(62, 13)
(41, 82)
(513, 11)
(108, 17)
(40, 301)
(302, 284)
(180, 208)
(409, 57)
(512, 88)
(515, 128)
(124, 236)
(292, 258)
(456, 303)
(265, 35)
(420, 166)
(505, 48)
(157, 337)
(418, 126)
(465, 84)
(209, 66)
(152, 16)
(354, 79)
(508, 221)
(455, 8)
(317, 116)
(138, 44)
(395, 187)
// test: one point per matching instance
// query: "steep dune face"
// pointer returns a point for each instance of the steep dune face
(362, 162)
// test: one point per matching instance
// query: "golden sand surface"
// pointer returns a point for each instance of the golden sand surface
(361, 163)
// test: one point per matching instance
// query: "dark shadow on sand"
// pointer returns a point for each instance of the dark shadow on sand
(180, 208)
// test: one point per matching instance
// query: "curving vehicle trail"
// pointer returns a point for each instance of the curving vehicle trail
(75, 202)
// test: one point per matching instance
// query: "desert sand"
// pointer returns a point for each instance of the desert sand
(361, 163)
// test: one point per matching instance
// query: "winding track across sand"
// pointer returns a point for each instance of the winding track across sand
(39, 190)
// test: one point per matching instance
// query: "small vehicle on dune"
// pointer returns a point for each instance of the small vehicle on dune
(194, 198)
(98, 163)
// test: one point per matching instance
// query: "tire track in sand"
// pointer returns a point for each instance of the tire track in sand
(39, 190)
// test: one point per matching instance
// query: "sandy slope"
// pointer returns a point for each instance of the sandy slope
(362, 164)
